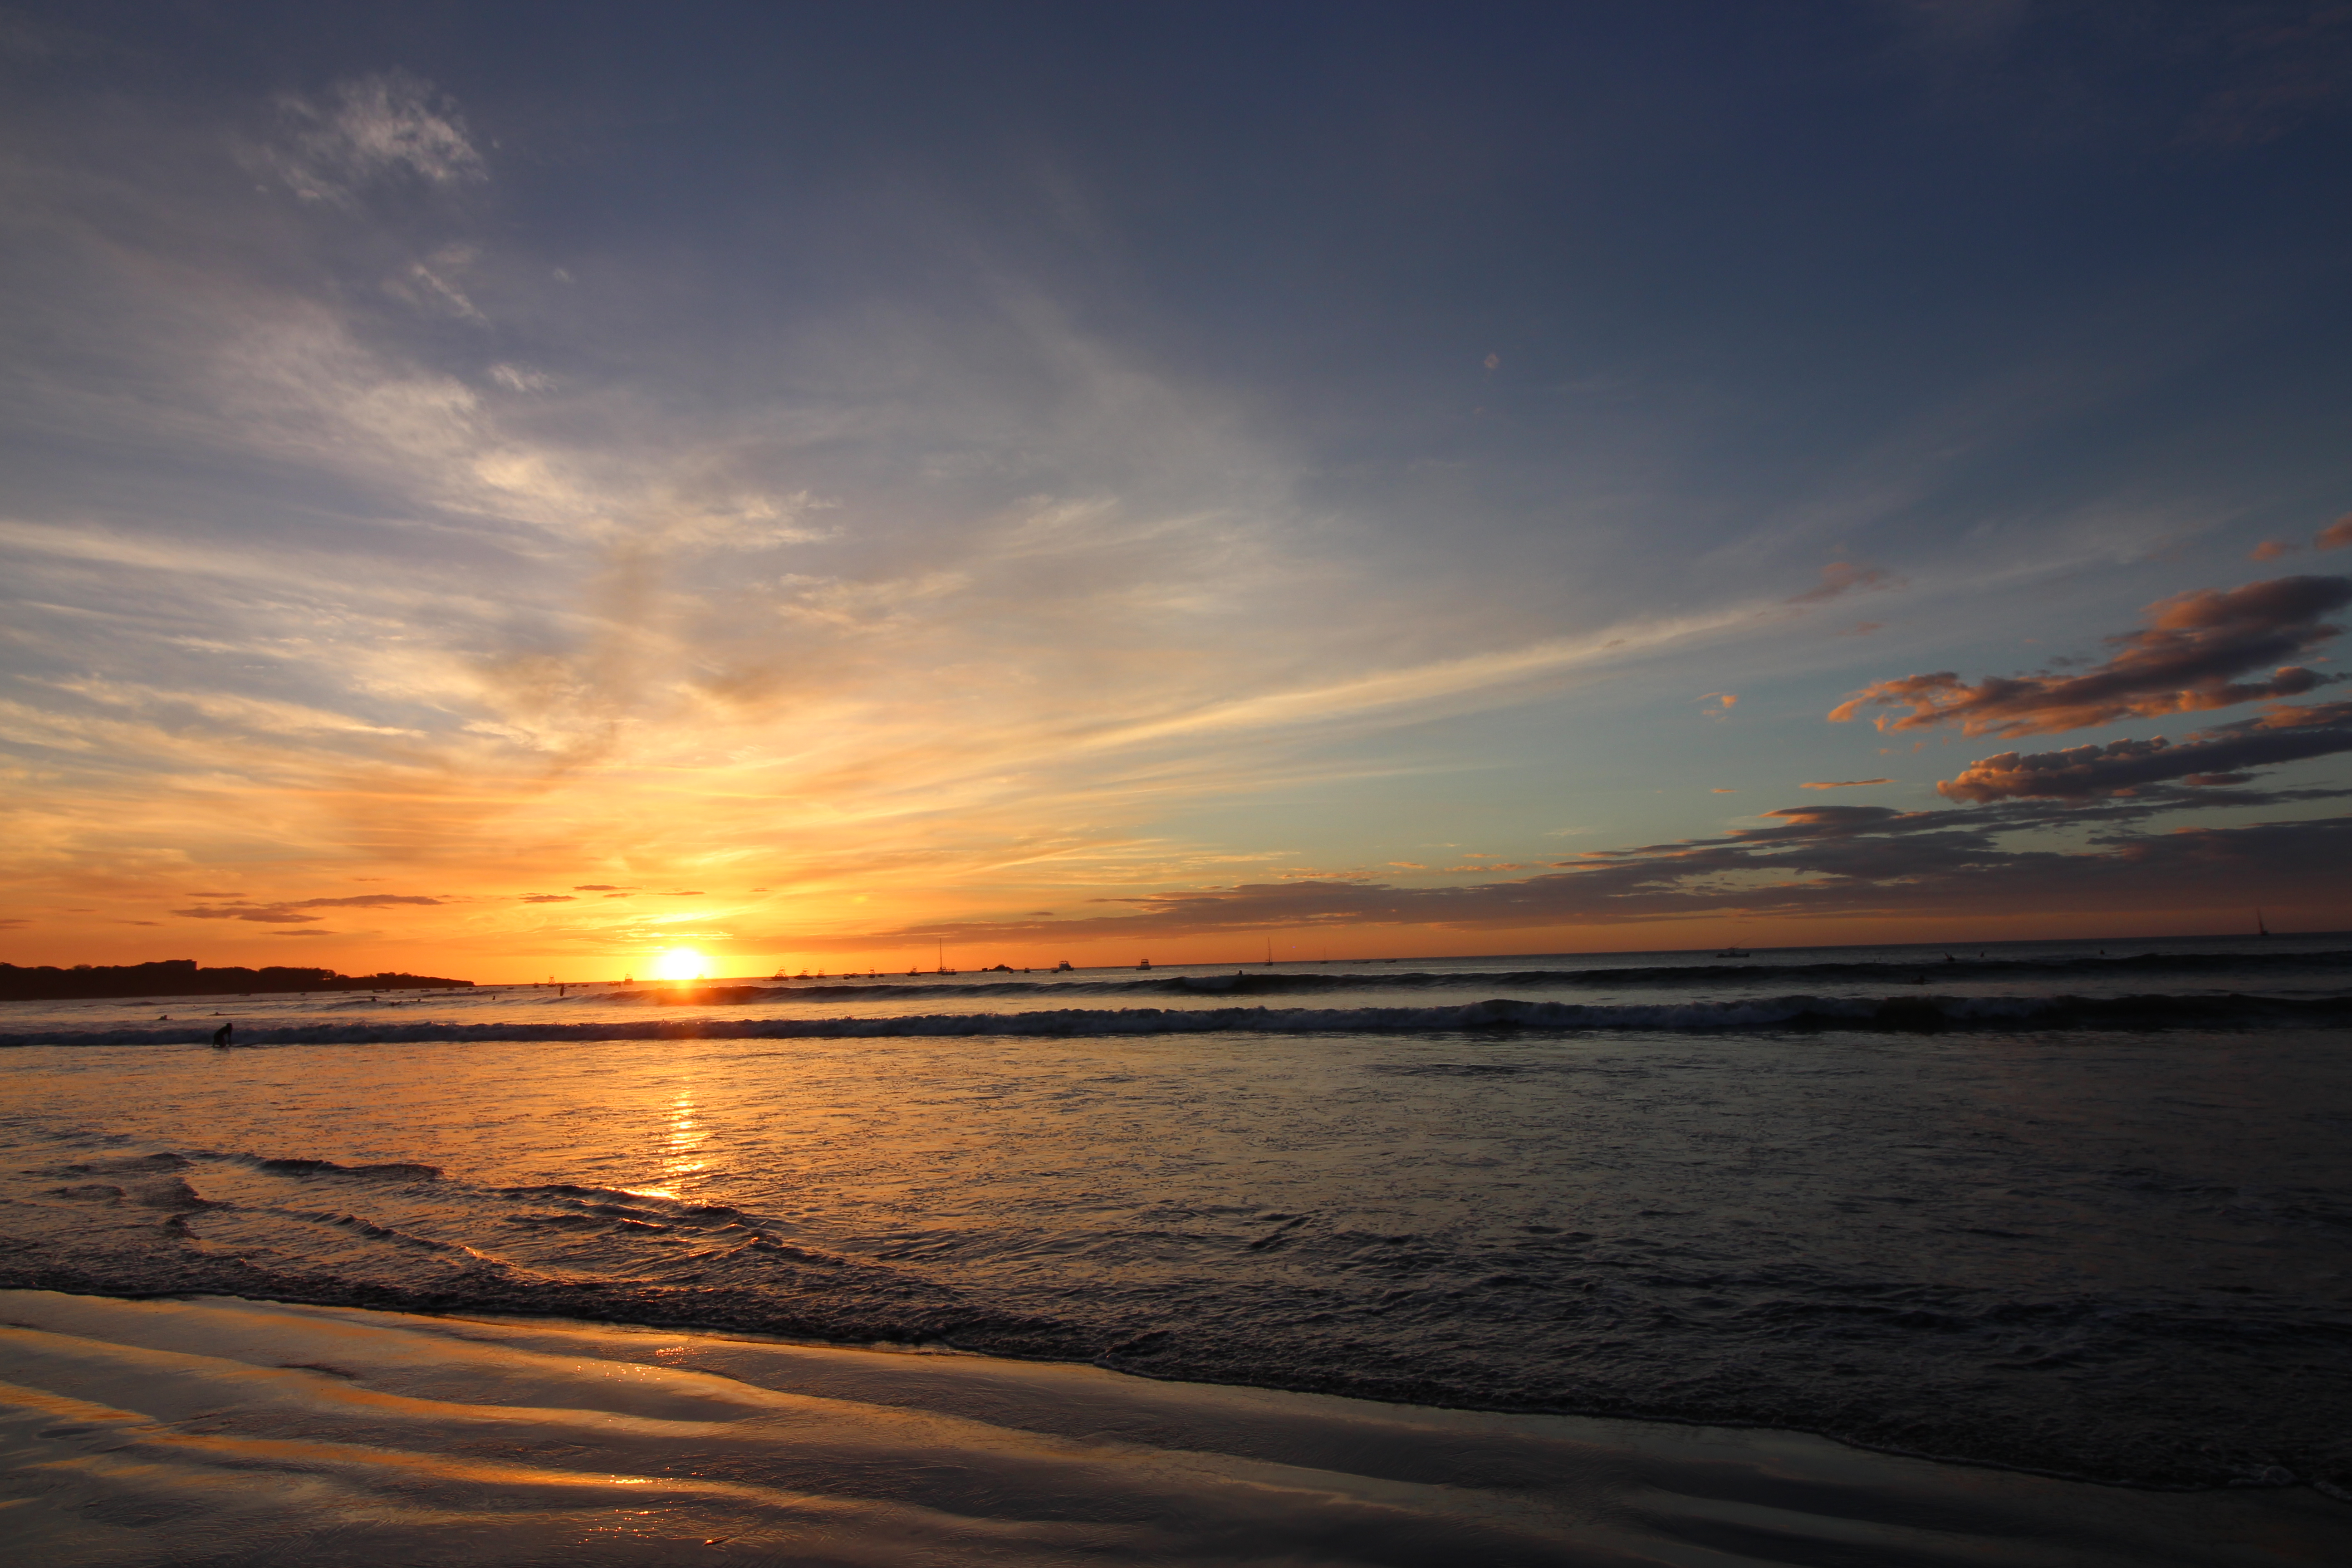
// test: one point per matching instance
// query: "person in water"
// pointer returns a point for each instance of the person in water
(221, 1037)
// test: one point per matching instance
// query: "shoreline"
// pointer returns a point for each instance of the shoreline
(571, 1306)
(466, 1438)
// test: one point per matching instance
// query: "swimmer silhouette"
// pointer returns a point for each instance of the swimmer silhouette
(220, 1037)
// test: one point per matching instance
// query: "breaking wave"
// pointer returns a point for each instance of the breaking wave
(1278, 983)
(1923, 1012)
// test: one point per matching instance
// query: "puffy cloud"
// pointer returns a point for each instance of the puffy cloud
(2216, 756)
(2337, 535)
(1844, 783)
(2181, 663)
(2270, 550)
(1722, 702)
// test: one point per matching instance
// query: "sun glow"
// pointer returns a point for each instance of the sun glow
(682, 963)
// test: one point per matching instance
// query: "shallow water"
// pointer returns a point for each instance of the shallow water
(220, 1432)
(2118, 1254)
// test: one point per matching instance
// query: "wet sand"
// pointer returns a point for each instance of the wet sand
(222, 1431)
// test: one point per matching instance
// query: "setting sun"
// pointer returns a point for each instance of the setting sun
(680, 963)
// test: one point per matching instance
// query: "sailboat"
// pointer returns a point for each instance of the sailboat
(2260, 929)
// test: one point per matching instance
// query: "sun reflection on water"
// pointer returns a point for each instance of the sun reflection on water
(683, 1146)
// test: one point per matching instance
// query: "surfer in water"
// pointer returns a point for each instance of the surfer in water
(221, 1037)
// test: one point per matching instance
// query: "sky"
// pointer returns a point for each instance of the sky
(555, 490)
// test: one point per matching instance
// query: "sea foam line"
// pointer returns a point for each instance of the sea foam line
(1905, 1013)
(849, 990)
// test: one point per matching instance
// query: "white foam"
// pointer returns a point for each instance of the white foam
(1922, 1010)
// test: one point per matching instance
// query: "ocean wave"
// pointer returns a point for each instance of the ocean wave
(1923, 1012)
(1277, 982)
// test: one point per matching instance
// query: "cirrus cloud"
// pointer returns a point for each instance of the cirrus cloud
(387, 124)
(1840, 577)
(288, 911)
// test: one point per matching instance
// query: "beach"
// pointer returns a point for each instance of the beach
(1375, 1263)
(1297, 785)
(223, 1431)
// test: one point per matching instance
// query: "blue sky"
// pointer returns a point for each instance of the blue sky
(793, 480)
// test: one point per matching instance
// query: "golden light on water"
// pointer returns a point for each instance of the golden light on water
(684, 1144)
(682, 963)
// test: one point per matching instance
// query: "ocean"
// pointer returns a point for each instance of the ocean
(2076, 1216)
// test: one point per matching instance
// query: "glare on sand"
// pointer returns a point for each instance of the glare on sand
(680, 963)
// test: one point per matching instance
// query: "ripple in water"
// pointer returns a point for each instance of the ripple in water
(2090, 1253)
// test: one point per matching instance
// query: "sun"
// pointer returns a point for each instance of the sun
(680, 963)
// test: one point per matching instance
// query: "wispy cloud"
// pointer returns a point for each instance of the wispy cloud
(1843, 577)
(289, 913)
(385, 126)
(1807, 862)
(378, 516)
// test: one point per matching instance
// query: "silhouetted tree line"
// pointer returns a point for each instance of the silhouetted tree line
(180, 977)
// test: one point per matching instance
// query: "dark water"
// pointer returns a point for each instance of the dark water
(2118, 1253)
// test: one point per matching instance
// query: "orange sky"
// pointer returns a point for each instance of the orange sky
(453, 528)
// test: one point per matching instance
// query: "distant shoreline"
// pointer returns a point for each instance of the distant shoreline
(182, 977)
